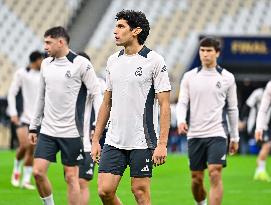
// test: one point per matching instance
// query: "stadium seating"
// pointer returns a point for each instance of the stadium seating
(23, 23)
(176, 25)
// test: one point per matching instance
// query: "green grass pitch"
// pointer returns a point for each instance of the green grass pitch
(170, 184)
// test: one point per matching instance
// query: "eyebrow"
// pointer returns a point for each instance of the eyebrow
(206, 49)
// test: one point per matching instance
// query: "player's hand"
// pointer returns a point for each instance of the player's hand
(15, 120)
(159, 155)
(258, 135)
(182, 128)
(96, 151)
(233, 148)
(32, 138)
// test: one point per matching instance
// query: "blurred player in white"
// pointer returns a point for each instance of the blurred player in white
(263, 118)
(248, 116)
(209, 92)
(86, 168)
(66, 80)
(26, 80)
(137, 80)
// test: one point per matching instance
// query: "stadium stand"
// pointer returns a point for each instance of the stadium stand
(22, 26)
(176, 25)
(175, 28)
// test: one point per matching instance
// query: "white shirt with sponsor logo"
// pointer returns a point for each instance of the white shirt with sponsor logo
(27, 80)
(134, 80)
(64, 87)
(210, 95)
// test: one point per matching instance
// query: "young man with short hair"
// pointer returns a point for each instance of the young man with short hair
(209, 92)
(66, 80)
(26, 80)
(137, 79)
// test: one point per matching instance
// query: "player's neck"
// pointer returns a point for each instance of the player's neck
(132, 49)
(62, 52)
(209, 66)
(33, 67)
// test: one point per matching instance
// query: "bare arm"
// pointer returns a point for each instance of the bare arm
(163, 99)
(102, 120)
(103, 116)
(160, 152)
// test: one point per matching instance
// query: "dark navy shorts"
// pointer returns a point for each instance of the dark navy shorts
(86, 167)
(71, 149)
(206, 151)
(115, 161)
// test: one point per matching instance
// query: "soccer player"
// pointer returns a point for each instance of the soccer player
(263, 118)
(137, 79)
(209, 91)
(66, 80)
(86, 168)
(27, 80)
(249, 113)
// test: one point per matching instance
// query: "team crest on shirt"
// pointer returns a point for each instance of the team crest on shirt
(68, 74)
(164, 69)
(218, 84)
(88, 67)
(138, 71)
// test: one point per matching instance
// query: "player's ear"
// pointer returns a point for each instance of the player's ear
(137, 31)
(217, 54)
(61, 41)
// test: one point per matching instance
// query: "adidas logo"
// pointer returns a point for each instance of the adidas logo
(90, 172)
(224, 157)
(145, 169)
(80, 157)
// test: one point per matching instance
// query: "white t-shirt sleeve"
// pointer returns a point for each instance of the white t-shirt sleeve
(261, 122)
(13, 91)
(89, 78)
(232, 108)
(183, 100)
(160, 77)
(40, 102)
(253, 98)
(108, 82)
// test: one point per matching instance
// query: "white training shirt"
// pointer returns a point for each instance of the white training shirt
(64, 85)
(262, 117)
(254, 102)
(27, 80)
(210, 95)
(134, 80)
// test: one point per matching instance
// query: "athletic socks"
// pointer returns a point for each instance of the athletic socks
(48, 200)
(204, 202)
(261, 165)
(27, 171)
(17, 165)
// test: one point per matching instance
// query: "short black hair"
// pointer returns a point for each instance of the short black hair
(35, 55)
(56, 32)
(210, 42)
(136, 19)
(81, 53)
